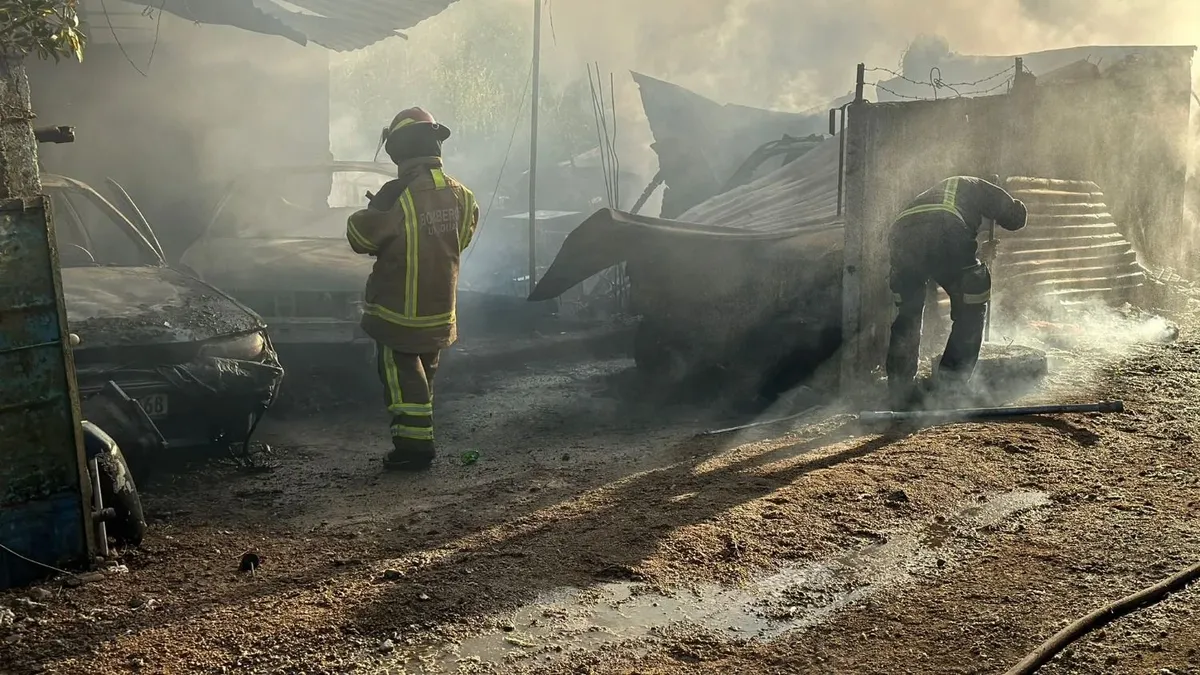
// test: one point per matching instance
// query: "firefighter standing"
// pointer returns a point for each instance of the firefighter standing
(934, 238)
(416, 228)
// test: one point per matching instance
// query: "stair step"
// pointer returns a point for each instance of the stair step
(1109, 260)
(1034, 183)
(1034, 197)
(1066, 231)
(1054, 274)
(1038, 240)
(1113, 247)
(1070, 208)
(1099, 281)
(1108, 293)
(1036, 219)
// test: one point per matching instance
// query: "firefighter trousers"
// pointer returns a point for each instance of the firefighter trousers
(942, 250)
(408, 392)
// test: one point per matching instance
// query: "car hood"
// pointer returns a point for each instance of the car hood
(296, 264)
(128, 306)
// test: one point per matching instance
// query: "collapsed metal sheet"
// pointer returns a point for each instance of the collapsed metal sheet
(798, 198)
(700, 143)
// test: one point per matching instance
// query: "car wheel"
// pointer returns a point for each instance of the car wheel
(117, 489)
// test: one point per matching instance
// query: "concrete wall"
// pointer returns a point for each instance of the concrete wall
(893, 152)
(214, 101)
(1126, 131)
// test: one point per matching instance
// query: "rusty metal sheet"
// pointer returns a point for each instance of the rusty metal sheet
(43, 497)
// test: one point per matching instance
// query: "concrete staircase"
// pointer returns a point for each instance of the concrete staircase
(1070, 250)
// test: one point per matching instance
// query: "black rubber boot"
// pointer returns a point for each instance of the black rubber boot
(406, 457)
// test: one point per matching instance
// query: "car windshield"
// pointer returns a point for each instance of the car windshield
(306, 205)
(89, 230)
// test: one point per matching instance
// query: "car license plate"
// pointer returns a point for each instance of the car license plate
(155, 405)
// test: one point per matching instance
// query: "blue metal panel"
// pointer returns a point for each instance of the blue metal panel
(43, 488)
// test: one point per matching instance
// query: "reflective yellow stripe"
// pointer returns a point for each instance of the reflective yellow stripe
(439, 179)
(412, 433)
(977, 298)
(408, 321)
(412, 409)
(411, 241)
(468, 212)
(357, 237)
(392, 375)
(402, 123)
(949, 201)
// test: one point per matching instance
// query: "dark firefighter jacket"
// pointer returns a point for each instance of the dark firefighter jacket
(968, 200)
(416, 228)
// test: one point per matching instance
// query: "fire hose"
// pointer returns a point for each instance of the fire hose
(1077, 629)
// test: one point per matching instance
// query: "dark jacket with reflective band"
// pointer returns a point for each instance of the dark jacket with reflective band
(416, 227)
(966, 199)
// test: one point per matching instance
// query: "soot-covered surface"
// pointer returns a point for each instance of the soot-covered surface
(123, 306)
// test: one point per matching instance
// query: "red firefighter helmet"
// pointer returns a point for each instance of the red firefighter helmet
(416, 115)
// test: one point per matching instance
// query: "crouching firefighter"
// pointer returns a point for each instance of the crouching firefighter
(416, 228)
(934, 238)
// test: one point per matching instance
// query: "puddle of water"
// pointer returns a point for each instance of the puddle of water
(571, 620)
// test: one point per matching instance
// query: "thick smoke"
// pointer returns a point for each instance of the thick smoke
(766, 53)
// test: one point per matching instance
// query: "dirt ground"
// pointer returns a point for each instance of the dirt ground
(596, 533)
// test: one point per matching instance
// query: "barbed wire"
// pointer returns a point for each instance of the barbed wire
(936, 82)
(957, 94)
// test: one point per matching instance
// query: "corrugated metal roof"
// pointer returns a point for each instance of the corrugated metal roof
(797, 198)
(340, 25)
(700, 143)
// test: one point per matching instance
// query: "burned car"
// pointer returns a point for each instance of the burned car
(276, 241)
(198, 362)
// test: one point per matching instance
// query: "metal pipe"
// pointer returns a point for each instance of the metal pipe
(533, 136)
(98, 507)
(987, 318)
(967, 414)
(59, 134)
(657, 181)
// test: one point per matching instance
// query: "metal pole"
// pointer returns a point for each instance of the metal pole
(533, 138)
